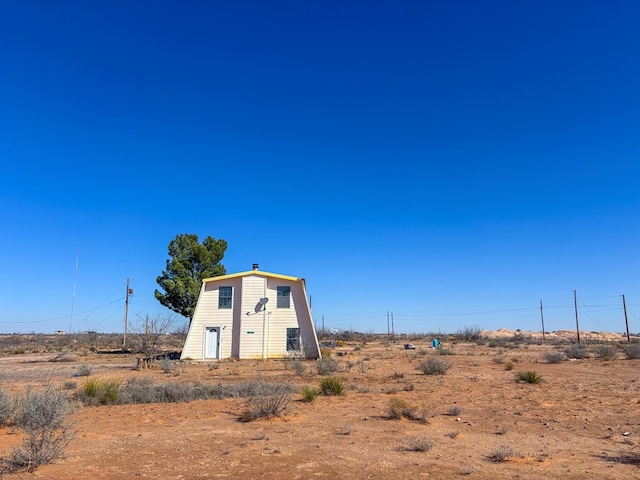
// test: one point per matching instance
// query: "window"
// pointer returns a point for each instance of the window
(293, 339)
(284, 294)
(225, 294)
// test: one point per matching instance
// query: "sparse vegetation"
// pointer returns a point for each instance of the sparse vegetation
(331, 386)
(309, 394)
(266, 401)
(43, 418)
(471, 333)
(528, 377)
(554, 357)
(327, 365)
(84, 370)
(454, 411)
(632, 352)
(605, 352)
(433, 366)
(418, 444)
(501, 454)
(400, 408)
(576, 351)
(6, 408)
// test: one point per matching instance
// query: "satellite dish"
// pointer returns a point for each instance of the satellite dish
(333, 331)
(260, 305)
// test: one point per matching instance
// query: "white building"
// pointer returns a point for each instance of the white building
(251, 314)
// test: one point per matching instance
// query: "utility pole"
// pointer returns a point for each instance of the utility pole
(393, 332)
(575, 304)
(126, 313)
(542, 318)
(626, 319)
(323, 324)
(388, 329)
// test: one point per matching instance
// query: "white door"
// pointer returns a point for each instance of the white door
(212, 342)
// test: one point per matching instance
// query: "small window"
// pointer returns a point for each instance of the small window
(293, 339)
(284, 294)
(225, 294)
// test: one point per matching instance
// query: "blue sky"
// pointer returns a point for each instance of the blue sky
(450, 162)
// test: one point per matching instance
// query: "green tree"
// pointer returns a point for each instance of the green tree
(190, 261)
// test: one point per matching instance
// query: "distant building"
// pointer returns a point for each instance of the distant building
(59, 332)
(251, 314)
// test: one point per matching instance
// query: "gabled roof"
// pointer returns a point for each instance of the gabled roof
(252, 272)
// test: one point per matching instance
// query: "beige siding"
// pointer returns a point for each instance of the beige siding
(208, 314)
(242, 326)
(253, 289)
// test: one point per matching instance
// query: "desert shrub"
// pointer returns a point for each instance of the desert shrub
(327, 365)
(409, 386)
(632, 352)
(70, 385)
(331, 386)
(528, 377)
(433, 366)
(326, 352)
(167, 364)
(501, 454)
(6, 408)
(43, 417)
(498, 342)
(471, 333)
(399, 408)
(454, 411)
(309, 394)
(84, 370)
(606, 352)
(110, 391)
(266, 401)
(576, 351)
(498, 359)
(363, 366)
(445, 351)
(554, 357)
(418, 444)
(298, 367)
(508, 366)
(397, 375)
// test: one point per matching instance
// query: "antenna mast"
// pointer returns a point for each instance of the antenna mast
(73, 296)
(126, 313)
(575, 303)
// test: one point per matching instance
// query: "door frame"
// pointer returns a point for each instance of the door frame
(205, 343)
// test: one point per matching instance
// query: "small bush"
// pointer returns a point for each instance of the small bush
(454, 411)
(418, 444)
(266, 401)
(554, 357)
(605, 352)
(471, 333)
(327, 365)
(501, 454)
(508, 366)
(91, 388)
(84, 370)
(43, 417)
(331, 386)
(298, 367)
(445, 351)
(399, 408)
(6, 408)
(528, 377)
(632, 352)
(326, 352)
(309, 394)
(433, 366)
(576, 351)
(499, 359)
(397, 375)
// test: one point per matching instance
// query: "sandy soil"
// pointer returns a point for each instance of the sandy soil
(582, 422)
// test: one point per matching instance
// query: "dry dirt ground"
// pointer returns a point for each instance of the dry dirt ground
(582, 422)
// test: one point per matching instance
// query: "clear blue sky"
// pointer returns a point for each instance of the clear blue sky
(450, 162)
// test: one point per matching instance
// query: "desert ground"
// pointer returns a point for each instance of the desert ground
(474, 421)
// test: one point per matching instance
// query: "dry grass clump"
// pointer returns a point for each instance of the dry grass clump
(528, 377)
(418, 444)
(632, 352)
(433, 366)
(605, 352)
(331, 386)
(576, 351)
(266, 401)
(501, 454)
(554, 357)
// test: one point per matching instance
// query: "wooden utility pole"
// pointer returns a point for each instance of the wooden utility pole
(126, 313)
(626, 319)
(388, 328)
(542, 318)
(393, 332)
(575, 304)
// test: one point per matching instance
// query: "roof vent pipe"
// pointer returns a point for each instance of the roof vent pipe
(255, 266)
